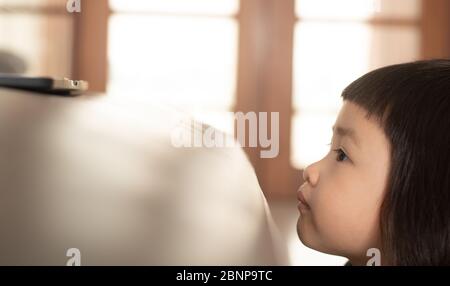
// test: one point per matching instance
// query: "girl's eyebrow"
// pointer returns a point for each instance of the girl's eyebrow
(349, 132)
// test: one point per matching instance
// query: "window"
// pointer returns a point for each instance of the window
(180, 52)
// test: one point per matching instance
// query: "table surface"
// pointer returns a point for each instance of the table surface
(100, 174)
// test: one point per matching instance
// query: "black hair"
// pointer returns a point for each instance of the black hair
(411, 101)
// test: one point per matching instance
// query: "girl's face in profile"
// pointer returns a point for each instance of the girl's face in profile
(340, 200)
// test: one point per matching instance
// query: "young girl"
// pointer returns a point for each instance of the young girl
(385, 183)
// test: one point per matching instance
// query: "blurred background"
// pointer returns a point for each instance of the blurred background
(210, 57)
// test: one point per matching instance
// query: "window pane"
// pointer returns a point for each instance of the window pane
(326, 59)
(391, 45)
(186, 62)
(216, 7)
(358, 9)
(43, 42)
(329, 57)
(311, 136)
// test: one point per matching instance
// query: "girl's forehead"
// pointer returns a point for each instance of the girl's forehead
(352, 117)
(353, 123)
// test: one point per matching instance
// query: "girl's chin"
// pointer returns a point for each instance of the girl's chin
(302, 231)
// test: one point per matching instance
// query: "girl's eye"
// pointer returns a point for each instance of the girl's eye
(340, 155)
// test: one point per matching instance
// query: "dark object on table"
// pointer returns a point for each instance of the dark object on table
(49, 85)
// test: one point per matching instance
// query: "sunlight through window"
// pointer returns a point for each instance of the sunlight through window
(171, 53)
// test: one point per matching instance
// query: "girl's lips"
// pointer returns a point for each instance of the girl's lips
(302, 203)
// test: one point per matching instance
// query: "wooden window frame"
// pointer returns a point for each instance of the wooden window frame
(90, 61)
(264, 84)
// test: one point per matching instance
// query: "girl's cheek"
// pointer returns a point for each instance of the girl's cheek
(336, 200)
(334, 196)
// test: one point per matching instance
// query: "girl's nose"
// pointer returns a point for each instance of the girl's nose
(311, 174)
